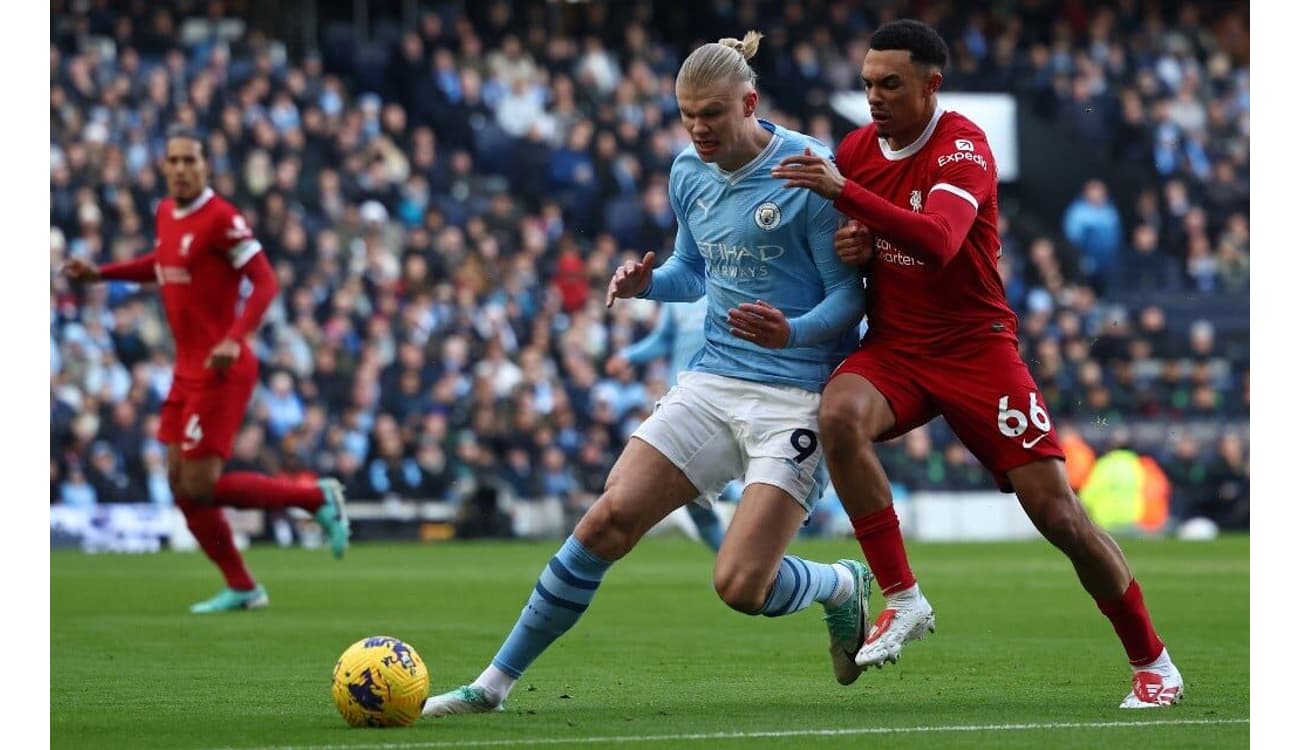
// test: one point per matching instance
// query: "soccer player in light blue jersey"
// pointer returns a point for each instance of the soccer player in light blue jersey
(783, 311)
(678, 334)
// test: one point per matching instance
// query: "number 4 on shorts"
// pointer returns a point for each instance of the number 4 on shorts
(193, 433)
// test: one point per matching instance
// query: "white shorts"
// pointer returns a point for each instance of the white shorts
(716, 429)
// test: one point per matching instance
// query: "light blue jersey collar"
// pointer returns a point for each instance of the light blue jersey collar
(735, 177)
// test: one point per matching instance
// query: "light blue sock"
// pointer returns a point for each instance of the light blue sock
(708, 523)
(798, 584)
(563, 592)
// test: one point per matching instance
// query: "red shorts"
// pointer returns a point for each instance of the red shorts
(986, 394)
(203, 416)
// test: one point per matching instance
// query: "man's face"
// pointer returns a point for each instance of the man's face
(714, 117)
(898, 91)
(185, 169)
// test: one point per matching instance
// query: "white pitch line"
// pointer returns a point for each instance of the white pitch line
(524, 742)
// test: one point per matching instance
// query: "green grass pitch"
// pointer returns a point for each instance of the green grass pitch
(1022, 658)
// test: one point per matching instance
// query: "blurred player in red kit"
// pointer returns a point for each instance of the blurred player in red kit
(919, 186)
(203, 250)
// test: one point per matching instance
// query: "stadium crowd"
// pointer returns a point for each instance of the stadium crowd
(444, 217)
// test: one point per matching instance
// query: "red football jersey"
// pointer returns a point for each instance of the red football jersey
(199, 251)
(913, 304)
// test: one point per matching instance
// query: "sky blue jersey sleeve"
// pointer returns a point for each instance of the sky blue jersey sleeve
(657, 343)
(681, 278)
(845, 303)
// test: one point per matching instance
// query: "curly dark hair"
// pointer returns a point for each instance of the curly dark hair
(921, 40)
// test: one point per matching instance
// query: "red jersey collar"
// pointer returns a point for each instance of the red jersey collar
(915, 145)
(195, 205)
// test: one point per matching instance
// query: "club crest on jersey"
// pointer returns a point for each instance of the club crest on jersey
(767, 216)
(965, 145)
(915, 200)
(186, 239)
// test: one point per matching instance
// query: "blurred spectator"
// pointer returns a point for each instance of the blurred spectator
(1092, 223)
(106, 475)
(1227, 501)
(1148, 269)
(481, 517)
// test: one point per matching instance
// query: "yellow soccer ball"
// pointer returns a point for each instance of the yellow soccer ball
(380, 682)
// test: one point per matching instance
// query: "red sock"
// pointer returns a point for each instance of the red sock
(245, 489)
(208, 525)
(882, 545)
(1128, 614)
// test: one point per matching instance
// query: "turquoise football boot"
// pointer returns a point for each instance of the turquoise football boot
(466, 699)
(233, 600)
(333, 517)
(847, 623)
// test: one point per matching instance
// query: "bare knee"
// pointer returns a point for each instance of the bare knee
(849, 422)
(609, 527)
(743, 590)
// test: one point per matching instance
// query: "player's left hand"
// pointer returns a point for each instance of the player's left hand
(223, 355)
(759, 323)
(808, 170)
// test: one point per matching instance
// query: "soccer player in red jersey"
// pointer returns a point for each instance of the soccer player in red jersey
(203, 250)
(919, 186)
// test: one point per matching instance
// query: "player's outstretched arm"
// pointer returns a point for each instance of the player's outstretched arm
(630, 279)
(935, 234)
(137, 269)
(810, 171)
(80, 271)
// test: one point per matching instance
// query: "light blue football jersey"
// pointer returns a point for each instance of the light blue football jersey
(742, 237)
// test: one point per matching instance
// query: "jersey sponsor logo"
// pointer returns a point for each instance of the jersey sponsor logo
(964, 145)
(915, 200)
(738, 261)
(960, 156)
(767, 216)
(892, 255)
(186, 240)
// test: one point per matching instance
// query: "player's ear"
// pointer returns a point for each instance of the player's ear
(933, 82)
(751, 102)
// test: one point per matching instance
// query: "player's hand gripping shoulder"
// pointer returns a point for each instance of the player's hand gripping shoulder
(807, 170)
(854, 243)
(630, 279)
(80, 271)
(759, 323)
